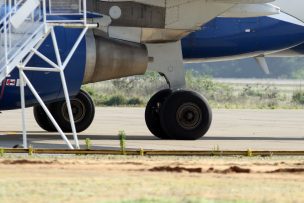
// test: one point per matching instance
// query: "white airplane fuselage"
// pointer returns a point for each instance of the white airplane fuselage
(291, 7)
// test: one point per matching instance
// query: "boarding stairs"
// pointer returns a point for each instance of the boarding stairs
(19, 32)
(24, 24)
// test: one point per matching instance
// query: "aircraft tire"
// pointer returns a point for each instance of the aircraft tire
(42, 119)
(83, 110)
(186, 115)
(152, 113)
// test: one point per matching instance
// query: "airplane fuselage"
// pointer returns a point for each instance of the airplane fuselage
(220, 39)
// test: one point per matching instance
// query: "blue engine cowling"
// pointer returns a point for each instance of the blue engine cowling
(234, 38)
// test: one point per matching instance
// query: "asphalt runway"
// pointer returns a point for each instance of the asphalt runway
(231, 130)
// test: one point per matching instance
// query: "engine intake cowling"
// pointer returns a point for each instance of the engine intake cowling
(110, 59)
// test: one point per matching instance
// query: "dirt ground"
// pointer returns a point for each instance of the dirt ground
(151, 179)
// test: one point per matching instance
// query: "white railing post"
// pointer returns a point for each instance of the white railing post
(5, 41)
(44, 15)
(79, 6)
(85, 12)
(9, 26)
(50, 6)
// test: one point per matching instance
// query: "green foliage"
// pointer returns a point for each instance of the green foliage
(137, 90)
(261, 91)
(298, 74)
(2, 152)
(141, 152)
(116, 100)
(249, 153)
(135, 102)
(88, 143)
(250, 91)
(31, 150)
(89, 90)
(271, 92)
(298, 97)
(122, 142)
(208, 87)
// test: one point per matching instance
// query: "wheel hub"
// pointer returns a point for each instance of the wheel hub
(189, 116)
(78, 110)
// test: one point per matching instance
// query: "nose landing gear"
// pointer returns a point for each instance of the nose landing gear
(180, 115)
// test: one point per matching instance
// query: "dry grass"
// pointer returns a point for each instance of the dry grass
(130, 179)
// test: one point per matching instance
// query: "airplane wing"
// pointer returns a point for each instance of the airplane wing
(170, 20)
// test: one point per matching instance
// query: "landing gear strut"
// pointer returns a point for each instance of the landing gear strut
(83, 110)
(180, 115)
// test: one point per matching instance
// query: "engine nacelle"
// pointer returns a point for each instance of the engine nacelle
(109, 59)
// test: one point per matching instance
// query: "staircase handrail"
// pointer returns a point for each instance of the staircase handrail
(12, 9)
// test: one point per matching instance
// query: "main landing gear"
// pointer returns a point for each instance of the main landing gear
(180, 115)
(175, 113)
(83, 110)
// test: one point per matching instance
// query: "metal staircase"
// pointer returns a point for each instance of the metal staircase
(24, 25)
(19, 32)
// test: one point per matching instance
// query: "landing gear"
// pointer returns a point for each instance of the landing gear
(182, 115)
(186, 115)
(152, 113)
(83, 110)
(42, 119)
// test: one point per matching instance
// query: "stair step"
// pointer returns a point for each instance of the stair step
(18, 53)
(65, 6)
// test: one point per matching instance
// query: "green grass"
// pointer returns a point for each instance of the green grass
(298, 97)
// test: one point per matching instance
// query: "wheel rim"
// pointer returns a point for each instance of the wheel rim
(189, 116)
(78, 109)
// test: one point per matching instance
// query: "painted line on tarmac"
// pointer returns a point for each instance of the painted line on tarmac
(154, 152)
(3, 133)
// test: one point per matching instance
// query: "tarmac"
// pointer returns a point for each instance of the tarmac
(231, 130)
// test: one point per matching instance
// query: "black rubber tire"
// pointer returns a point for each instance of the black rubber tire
(83, 105)
(186, 115)
(42, 120)
(152, 113)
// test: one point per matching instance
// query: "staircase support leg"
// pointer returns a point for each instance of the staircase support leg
(65, 89)
(24, 134)
(42, 104)
(68, 102)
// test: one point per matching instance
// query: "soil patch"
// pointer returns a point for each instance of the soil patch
(232, 169)
(26, 161)
(176, 169)
(288, 170)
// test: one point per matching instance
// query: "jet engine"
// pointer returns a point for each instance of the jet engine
(110, 58)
